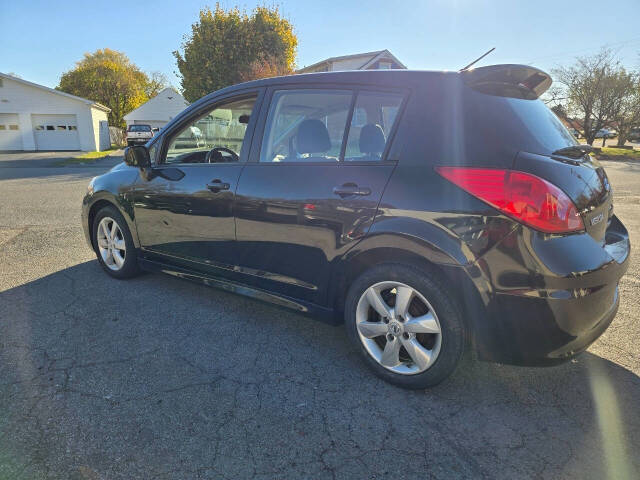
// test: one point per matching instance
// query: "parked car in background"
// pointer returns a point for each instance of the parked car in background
(138, 134)
(605, 133)
(634, 135)
(349, 196)
(574, 132)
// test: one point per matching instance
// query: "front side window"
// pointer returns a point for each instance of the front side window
(371, 124)
(305, 126)
(217, 136)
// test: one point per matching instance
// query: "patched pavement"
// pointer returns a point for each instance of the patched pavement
(158, 378)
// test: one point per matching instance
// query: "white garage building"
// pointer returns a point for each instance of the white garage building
(34, 117)
(158, 110)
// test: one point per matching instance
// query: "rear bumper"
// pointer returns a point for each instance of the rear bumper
(550, 298)
(538, 332)
(140, 141)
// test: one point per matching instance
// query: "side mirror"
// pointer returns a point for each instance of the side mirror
(137, 156)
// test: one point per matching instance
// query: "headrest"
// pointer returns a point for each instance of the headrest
(313, 137)
(372, 139)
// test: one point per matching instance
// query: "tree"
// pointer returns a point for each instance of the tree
(593, 90)
(109, 77)
(264, 68)
(627, 115)
(157, 82)
(230, 46)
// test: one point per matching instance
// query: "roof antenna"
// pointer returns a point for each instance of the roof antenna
(476, 60)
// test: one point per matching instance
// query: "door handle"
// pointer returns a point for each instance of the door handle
(217, 185)
(349, 189)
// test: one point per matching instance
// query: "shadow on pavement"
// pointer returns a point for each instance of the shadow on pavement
(161, 378)
(47, 164)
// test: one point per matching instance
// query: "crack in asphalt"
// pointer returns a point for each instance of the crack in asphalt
(158, 378)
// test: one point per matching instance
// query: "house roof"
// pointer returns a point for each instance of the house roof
(97, 105)
(383, 54)
(368, 59)
(142, 112)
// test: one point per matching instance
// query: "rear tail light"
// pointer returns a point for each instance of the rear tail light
(522, 196)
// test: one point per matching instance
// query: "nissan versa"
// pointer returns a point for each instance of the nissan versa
(434, 213)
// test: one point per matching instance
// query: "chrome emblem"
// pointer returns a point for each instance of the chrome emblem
(597, 219)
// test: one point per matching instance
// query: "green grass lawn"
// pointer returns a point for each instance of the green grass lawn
(88, 157)
(613, 153)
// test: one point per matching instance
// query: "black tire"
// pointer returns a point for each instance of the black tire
(432, 288)
(130, 267)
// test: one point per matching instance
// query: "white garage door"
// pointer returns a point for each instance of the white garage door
(10, 134)
(56, 132)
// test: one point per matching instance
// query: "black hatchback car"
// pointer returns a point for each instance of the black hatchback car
(433, 212)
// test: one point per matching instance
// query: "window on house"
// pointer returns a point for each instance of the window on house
(72, 127)
(39, 127)
(50, 127)
(61, 127)
(3, 127)
(13, 127)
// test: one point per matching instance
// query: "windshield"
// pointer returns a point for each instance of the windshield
(139, 128)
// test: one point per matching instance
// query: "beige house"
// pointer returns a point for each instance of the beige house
(379, 60)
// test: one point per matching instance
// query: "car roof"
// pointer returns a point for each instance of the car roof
(376, 77)
(388, 78)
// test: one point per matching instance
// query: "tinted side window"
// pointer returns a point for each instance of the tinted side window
(216, 136)
(371, 123)
(305, 126)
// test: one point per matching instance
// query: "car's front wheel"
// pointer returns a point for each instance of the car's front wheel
(405, 324)
(113, 244)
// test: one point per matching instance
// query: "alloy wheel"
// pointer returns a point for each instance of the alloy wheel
(111, 243)
(398, 327)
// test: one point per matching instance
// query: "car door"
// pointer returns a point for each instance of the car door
(312, 188)
(184, 207)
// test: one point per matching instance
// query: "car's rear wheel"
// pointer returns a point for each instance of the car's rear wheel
(113, 244)
(405, 324)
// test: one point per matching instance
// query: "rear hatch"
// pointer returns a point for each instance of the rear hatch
(509, 126)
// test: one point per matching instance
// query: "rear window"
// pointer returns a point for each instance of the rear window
(139, 128)
(497, 125)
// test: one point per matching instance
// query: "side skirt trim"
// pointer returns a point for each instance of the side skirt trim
(321, 313)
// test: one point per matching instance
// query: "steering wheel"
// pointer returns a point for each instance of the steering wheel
(215, 155)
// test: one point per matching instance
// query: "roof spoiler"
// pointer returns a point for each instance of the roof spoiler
(517, 81)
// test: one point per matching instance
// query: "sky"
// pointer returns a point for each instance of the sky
(40, 40)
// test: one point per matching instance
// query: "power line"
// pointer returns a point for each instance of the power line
(577, 52)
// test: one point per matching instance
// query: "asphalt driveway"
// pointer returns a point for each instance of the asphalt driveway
(158, 378)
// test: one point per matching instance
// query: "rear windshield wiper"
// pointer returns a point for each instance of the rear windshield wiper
(574, 151)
